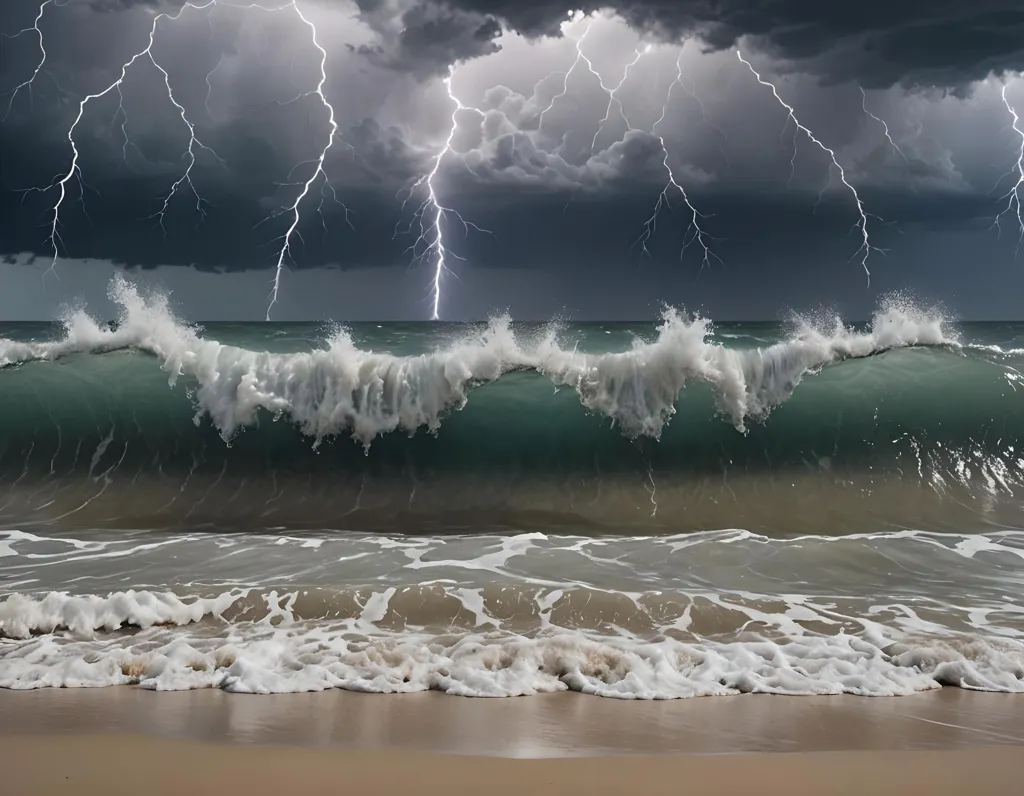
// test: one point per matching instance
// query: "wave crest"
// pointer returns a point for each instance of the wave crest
(342, 389)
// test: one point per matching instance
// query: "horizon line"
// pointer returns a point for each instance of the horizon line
(429, 322)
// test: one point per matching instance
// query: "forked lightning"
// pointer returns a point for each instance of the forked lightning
(432, 216)
(696, 232)
(885, 127)
(62, 182)
(27, 84)
(432, 229)
(865, 249)
(1013, 196)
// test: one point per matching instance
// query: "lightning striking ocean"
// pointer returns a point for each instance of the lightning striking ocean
(638, 510)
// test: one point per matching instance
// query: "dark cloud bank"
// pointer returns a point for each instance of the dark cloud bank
(770, 240)
(877, 43)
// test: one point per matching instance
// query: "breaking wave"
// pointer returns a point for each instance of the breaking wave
(344, 390)
(520, 546)
(926, 425)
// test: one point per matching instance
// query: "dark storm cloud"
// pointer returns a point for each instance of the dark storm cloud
(430, 39)
(877, 43)
(117, 217)
(125, 188)
(124, 5)
(551, 204)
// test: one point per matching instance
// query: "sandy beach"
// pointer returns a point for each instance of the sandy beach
(548, 725)
(124, 740)
(113, 765)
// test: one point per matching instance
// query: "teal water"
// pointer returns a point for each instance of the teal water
(900, 435)
(640, 511)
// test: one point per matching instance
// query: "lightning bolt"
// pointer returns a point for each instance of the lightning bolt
(885, 127)
(74, 173)
(692, 92)
(432, 215)
(74, 170)
(865, 248)
(611, 92)
(193, 142)
(580, 58)
(696, 232)
(1013, 196)
(209, 86)
(286, 239)
(120, 113)
(27, 84)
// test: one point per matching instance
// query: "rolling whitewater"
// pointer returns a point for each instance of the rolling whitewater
(636, 510)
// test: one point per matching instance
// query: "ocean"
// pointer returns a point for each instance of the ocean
(637, 510)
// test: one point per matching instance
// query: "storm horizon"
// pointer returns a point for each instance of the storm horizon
(586, 161)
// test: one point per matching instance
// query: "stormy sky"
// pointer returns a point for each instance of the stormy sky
(557, 185)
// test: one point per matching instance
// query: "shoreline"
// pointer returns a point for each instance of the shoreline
(126, 741)
(560, 725)
(129, 765)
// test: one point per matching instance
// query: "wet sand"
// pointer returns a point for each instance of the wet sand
(111, 765)
(548, 725)
(125, 740)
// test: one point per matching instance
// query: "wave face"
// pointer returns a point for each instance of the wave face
(809, 427)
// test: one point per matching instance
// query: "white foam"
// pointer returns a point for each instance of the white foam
(345, 390)
(23, 615)
(998, 350)
(58, 640)
(258, 659)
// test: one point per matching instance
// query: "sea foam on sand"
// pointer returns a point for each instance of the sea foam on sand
(277, 653)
